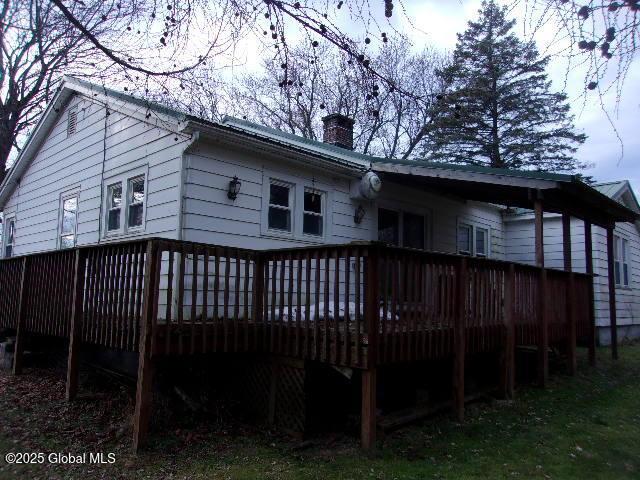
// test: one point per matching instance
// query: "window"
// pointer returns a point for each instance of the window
(136, 202)
(413, 230)
(9, 241)
(465, 239)
(72, 121)
(68, 221)
(114, 207)
(621, 264)
(482, 235)
(313, 214)
(124, 207)
(388, 226)
(280, 204)
(473, 240)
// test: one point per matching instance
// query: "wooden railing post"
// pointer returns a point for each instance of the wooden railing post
(572, 331)
(543, 339)
(75, 330)
(588, 249)
(509, 362)
(144, 390)
(459, 337)
(258, 296)
(571, 297)
(369, 375)
(613, 321)
(18, 350)
(543, 333)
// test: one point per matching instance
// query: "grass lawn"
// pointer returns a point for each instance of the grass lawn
(582, 427)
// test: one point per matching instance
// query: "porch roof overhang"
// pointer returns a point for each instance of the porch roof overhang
(558, 193)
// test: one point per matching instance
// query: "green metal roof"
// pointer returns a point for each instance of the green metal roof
(321, 147)
(610, 189)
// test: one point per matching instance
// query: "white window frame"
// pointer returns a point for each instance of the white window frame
(124, 180)
(129, 203)
(5, 231)
(621, 258)
(401, 209)
(290, 208)
(75, 193)
(475, 241)
(474, 227)
(297, 186)
(469, 252)
(322, 214)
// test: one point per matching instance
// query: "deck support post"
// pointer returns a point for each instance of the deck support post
(508, 376)
(459, 338)
(543, 340)
(588, 249)
(75, 333)
(571, 298)
(369, 375)
(613, 321)
(369, 409)
(18, 350)
(144, 388)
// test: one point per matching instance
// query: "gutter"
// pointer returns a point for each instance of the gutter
(320, 160)
(195, 136)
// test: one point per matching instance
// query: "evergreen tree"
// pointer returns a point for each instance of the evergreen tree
(498, 110)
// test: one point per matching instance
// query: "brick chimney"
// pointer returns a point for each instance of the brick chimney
(338, 130)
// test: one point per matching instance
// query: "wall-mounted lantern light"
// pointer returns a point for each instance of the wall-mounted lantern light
(234, 188)
(359, 215)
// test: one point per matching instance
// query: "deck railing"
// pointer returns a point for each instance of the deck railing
(354, 305)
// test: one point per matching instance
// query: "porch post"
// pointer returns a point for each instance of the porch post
(75, 333)
(507, 379)
(144, 390)
(571, 298)
(543, 340)
(459, 334)
(368, 420)
(613, 321)
(18, 348)
(588, 249)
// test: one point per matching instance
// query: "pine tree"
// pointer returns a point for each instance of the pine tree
(499, 110)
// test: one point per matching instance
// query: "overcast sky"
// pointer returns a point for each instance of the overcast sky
(436, 23)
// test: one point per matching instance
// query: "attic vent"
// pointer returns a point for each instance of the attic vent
(72, 121)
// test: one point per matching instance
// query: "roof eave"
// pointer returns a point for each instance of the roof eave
(34, 141)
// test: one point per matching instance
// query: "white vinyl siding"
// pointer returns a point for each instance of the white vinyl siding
(65, 162)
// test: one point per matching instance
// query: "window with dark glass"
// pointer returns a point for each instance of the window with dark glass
(465, 239)
(10, 231)
(313, 216)
(68, 222)
(482, 235)
(413, 230)
(279, 207)
(620, 263)
(114, 206)
(388, 226)
(136, 201)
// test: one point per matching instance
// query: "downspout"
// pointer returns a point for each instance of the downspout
(104, 161)
(195, 136)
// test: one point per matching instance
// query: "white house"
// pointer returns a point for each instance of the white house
(103, 166)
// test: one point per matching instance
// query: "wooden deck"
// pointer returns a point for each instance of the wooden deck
(360, 306)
